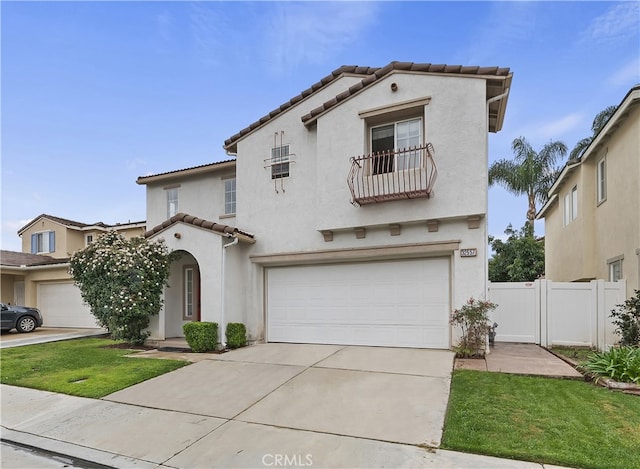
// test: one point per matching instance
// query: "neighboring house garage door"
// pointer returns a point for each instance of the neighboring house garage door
(61, 306)
(388, 303)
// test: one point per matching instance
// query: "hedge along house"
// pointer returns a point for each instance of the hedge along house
(362, 204)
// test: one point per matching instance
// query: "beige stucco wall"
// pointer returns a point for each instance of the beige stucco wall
(70, 240)
(602, 231)
(47, 225)
(201, 196)
(617, 219)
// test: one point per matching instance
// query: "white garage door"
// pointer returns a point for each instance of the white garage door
(391, 303)
(61, 306)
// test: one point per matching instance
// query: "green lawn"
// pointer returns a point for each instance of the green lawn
(578, 355)
(544, 420)
(80, 367)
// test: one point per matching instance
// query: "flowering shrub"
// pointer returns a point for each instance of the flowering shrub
(122, 281)
(473, 319)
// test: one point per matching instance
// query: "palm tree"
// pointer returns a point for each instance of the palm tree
(530, 173)
(598, 123)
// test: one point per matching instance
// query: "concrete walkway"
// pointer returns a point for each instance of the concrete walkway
(46, 334)
(260, 406)
(521, 359)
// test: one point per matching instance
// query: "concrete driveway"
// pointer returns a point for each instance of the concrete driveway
(299, 399)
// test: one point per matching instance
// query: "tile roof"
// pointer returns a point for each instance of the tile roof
(191, 220)
(370, 75)
(176, 172)
(18, 259)
(76, 224)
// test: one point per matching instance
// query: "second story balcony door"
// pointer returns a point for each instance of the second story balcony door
(388, 140)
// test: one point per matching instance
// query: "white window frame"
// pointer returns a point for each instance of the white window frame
(230, 196)
(280, 162)
(189, 300)
(88, 239)
(172, 201)
(398, 163)
(601, 180)
(43, 245)
(614, 266)
(570, 205)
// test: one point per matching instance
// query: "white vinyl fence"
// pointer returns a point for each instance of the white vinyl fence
(556, 313)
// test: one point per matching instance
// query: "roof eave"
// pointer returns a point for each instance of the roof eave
(163, 177)
(546, 206)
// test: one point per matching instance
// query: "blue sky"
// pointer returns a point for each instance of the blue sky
(95, 94)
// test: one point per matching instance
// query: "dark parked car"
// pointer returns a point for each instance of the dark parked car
(22, 318)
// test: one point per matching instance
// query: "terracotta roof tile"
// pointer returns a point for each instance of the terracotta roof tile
(191, 220)
(17, 259)
(370, 75)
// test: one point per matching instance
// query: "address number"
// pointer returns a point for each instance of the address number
(468, 252)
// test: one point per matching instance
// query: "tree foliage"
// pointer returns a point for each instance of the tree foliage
(530, 173)
(122, 282)
(598, 123)
(518, 259)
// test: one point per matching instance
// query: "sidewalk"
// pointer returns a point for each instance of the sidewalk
(124, 436)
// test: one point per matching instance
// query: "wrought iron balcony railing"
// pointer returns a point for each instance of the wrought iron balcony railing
(393, 175)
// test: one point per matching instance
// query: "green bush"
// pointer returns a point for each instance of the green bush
(619, 363)
(626, 318)
(201, 336)
(236, 335)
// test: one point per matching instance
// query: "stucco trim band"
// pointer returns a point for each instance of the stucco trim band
(401, 251)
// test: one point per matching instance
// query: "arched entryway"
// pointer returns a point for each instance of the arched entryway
(182, 297)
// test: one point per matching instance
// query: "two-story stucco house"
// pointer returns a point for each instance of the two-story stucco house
(592, 218)
(39, 275)
(355, 213)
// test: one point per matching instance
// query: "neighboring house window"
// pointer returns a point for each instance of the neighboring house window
(280, 162)
(615, 269)
(43, 242)
(88, 239)
(571, 206)
(229, 196)
(172, 201)
(602, 180)
(389, 140)
(189, 289)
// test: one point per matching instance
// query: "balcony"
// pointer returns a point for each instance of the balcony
(393, 175)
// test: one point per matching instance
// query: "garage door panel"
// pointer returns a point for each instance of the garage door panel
(390, 303)
(61, 306)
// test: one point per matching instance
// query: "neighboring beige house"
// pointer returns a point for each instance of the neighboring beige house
(39, 275)
(592, 218)
(355, 213)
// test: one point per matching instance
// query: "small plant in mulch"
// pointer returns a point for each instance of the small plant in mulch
(473, 319)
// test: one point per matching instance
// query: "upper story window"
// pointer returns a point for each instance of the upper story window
(389, 141)
(43, 242)
(172, 201)
(88, 239)
(230, 196)
(601, 180)
(280, 162)
(571, 205)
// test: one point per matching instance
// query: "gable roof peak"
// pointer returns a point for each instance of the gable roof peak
(369, 76)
